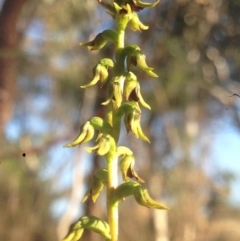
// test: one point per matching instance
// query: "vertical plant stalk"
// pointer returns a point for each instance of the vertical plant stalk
(120, 42)
(123, 103)
(112, 163)
(112, 209)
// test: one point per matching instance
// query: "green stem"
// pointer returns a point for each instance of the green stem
(112, 160)
(112, 209)
(120, 43)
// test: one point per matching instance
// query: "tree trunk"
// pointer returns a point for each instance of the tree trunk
(8, 57)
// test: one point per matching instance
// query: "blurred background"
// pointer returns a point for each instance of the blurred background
(193, 162)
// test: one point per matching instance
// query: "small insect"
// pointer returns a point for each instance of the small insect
(235, 95)
(24, 154)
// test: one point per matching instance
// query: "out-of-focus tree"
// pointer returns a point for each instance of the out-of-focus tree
(9, 43)
(197, 52)
(25, 203)
(30, 58)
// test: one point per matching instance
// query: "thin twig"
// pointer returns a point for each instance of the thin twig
(234, 95)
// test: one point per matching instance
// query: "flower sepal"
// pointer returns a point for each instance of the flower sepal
(136, 24)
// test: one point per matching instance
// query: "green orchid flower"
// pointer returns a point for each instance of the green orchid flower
(132, 123)
(131, 90)
(104, 145)
(115, 91)
(136, 24)
(137, 58)
(86, 134)
(122, 16)
(126, 166)
(100, 72)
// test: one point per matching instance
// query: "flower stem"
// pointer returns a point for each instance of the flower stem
(112, 160)
(112, 209)
(120, 43)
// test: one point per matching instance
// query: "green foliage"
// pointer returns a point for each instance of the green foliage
(122, 103)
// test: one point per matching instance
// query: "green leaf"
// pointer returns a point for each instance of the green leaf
(74, 233)
(97, 225)
(101, 39)
(124, 190)
(142, 197)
